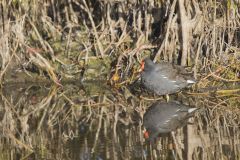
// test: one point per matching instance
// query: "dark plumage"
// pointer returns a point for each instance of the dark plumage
(164, 78)
(163, 117)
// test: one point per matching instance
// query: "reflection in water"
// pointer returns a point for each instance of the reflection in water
(91, 121)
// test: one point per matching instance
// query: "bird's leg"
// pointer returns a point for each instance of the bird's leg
(167, 97)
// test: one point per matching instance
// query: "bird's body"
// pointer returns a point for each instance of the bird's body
(163, 117)
(164, 78)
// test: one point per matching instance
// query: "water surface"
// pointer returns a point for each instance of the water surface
(94, 121)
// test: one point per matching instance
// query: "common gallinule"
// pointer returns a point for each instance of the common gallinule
(164, 78)
(164, 117)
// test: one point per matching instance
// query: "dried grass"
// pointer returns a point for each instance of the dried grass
(201, 34)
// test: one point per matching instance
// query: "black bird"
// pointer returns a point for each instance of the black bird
(164, 117)
(164, 78)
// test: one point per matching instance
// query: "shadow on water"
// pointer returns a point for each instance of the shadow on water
(93, 121)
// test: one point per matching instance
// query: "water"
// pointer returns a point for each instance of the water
(96, 122)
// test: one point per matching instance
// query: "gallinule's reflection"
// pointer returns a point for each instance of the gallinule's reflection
(164, 117)
(164, 78)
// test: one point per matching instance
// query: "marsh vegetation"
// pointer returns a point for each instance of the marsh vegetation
(69, 77)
